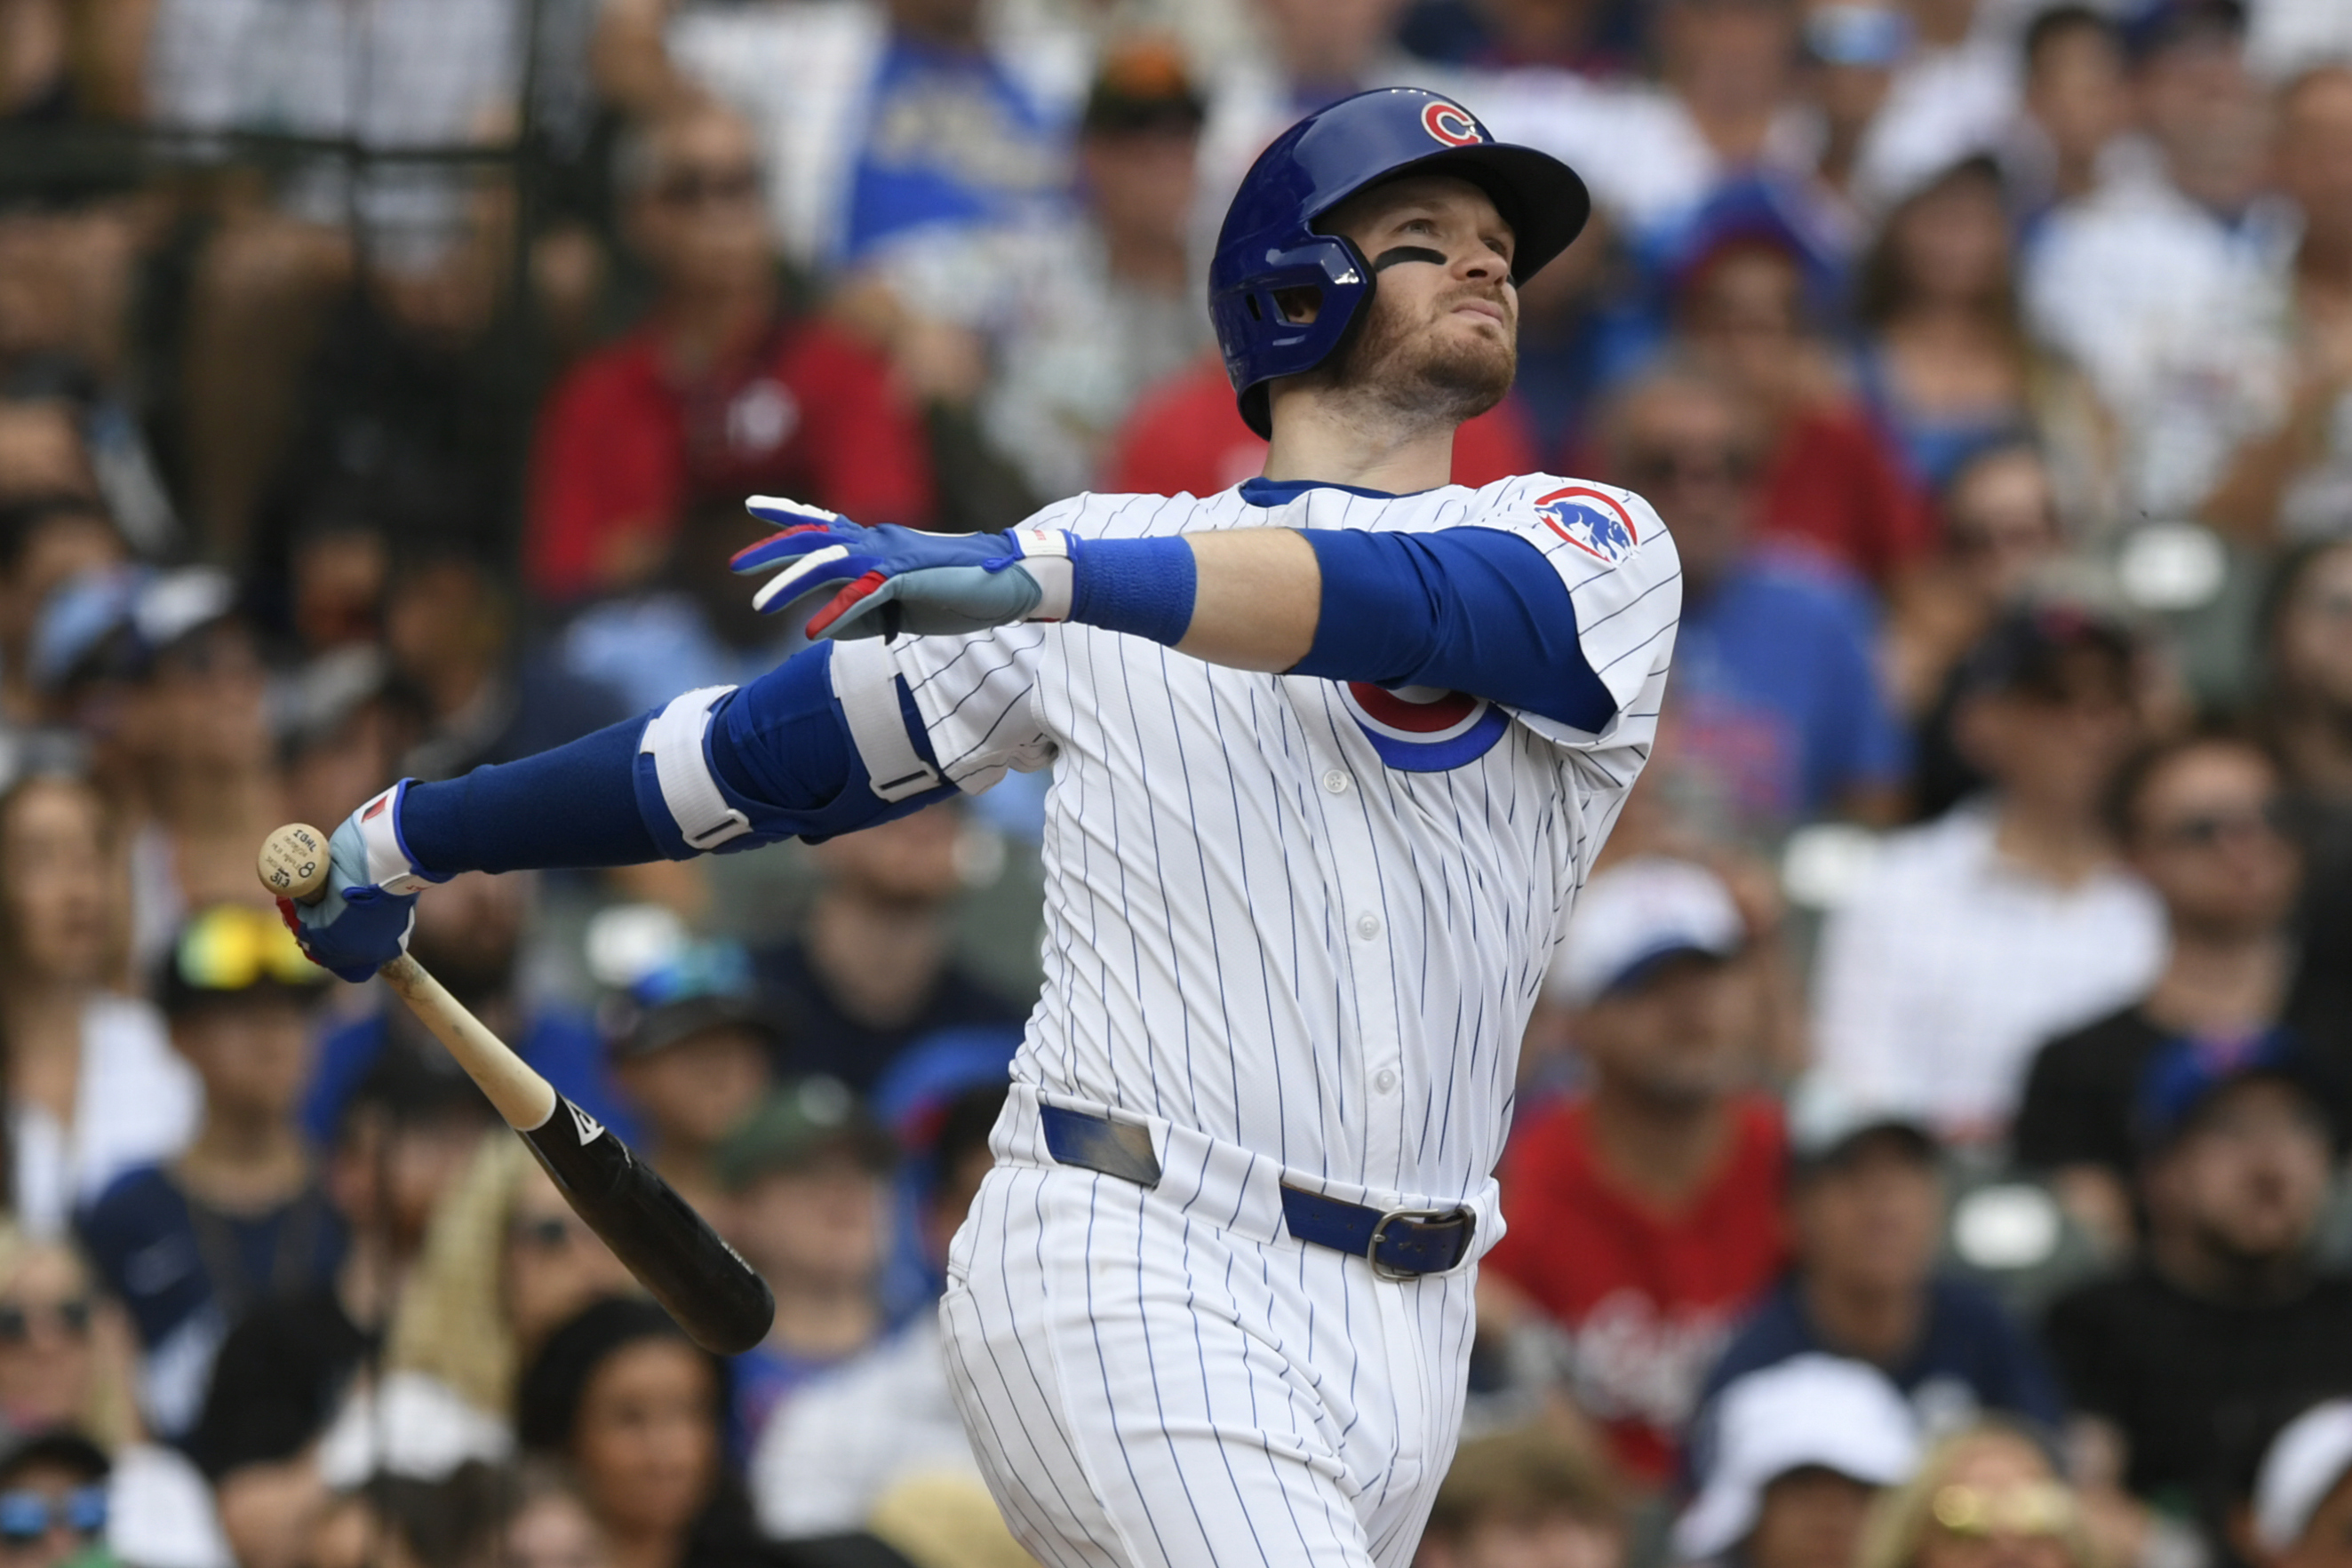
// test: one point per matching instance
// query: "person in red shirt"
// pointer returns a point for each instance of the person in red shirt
(722, 393)
(1831, 479)
(1644, 1213)
(1186, 437)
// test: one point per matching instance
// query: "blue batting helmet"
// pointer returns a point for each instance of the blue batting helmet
(1269, 241)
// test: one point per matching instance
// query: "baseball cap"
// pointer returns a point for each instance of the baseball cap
(2027, 650)
(1143, 85)
(696, 985)
(232, 950)
(2186, 1074)
(1634, 916)
(114, 622)
(1810, 1411)
(2300, 1466)
(798, 1121)
(1828, 1120)
(1852, 35)
(2149, 30)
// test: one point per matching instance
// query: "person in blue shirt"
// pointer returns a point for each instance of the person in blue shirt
(1866, 1212)
(239, 1217)
(1778, 714)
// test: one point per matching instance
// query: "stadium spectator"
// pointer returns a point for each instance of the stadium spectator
(2077, 108)
(2305, 712)
(503, 1264)
(93, 1087)
(2203, 819)
(2299, 1514)
(1186, 437)
(451, 627)
(1117, 311)
(2001, 529)
(66, 1367)
(239, 1216)
(1786, 1460)
(2290, 473)
(872, 970)
(2154, 285)
(1866, 1217)
(623, 1398)
(1953, 97)
(469, 935)
(807, 1175)
(164, 681)
(44, 540)
(1779, 714)
(692, 1055)
(726, 389)
(2226, 1315)
(1985, 1493)
(1850, 53)
(400, 1521)
(279, 1381)
(1527, 1497)
(342, 723)
(1828, 476)
(1644, 1212)
(1946, 365)
(885, 1418)
(2007, 920)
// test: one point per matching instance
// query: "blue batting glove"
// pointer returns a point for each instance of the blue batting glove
(363, 921)
(856, 581)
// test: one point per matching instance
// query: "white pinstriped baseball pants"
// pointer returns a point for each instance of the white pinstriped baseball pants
(1145, 1388)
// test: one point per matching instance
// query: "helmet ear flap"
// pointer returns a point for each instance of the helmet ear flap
(1265, 339)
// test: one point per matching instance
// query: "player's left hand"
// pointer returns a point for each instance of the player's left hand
(856, 581)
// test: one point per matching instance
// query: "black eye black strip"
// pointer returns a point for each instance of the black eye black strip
(1403, 253)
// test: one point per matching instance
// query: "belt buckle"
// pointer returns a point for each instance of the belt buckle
(1416, 1216)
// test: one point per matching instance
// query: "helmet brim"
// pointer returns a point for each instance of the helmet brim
(1542, 199)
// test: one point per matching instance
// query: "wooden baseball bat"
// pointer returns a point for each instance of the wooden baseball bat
(690, 1269)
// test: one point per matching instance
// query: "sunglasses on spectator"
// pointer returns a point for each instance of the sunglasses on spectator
(230, 947)
(699, 187)
(1979, 1513)
(2204, 829)
(70, 1317)
(1717, 465)
(549, 1233)
(27, 1516)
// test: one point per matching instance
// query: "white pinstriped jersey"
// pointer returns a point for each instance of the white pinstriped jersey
(1303, 917)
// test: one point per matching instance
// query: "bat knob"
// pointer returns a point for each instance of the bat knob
(293, 863)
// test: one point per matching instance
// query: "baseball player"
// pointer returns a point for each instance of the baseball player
(1331, 753)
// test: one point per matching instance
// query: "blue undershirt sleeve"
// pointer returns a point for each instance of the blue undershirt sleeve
(779, 749)
(1466, 609)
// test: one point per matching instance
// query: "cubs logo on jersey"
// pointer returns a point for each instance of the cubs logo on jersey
(1595, 521)
(1424, 729)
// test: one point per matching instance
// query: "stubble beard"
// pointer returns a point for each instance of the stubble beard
(1411, 370)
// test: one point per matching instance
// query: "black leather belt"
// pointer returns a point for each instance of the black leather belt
(1399, 1243)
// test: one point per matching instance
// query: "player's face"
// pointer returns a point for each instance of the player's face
(1443, 331)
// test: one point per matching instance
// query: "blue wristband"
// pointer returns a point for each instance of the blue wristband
(1141, 587)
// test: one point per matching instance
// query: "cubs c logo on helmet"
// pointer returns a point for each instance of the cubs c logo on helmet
(1424, 729)
(1452, 124)
(1592, 520)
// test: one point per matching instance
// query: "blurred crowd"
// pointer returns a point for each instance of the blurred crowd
(1930, 1144)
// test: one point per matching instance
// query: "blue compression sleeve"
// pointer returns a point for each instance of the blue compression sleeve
(573, 805)
(779, 748)
(1468, 609)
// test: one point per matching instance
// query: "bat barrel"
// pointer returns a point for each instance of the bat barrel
(704, 1283)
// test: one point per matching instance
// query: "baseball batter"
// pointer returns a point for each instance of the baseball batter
(1331, 753)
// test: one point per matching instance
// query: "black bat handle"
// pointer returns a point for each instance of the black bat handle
(704, 1283)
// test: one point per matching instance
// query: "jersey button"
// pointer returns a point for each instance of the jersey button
(1336, 781)
(1368, 926)
(1385, 1080)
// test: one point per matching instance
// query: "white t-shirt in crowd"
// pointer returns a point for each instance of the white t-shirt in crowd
(1952, 963)
(136, 1102)
(845, 1439)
